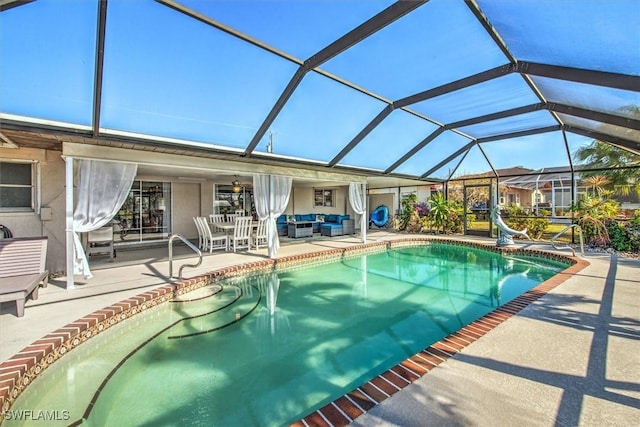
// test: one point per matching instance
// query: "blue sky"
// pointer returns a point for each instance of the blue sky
(168, 75)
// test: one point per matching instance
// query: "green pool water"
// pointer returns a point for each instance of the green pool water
(267, 350)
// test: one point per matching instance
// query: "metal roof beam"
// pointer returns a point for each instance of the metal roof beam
(628, 144)
(580, 75)
(97, 80)
(10, 4)
(447, 160)
(456, 85)
(519, 134)
(364, 30)
(625, 122)
(495, 116)
(362, 134)
(415, 149)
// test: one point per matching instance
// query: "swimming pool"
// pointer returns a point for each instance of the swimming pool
(268, 349)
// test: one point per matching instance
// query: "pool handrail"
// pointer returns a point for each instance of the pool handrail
(553, 243)
(172, 237)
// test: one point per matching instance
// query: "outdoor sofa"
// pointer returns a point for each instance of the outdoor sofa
(333, 224)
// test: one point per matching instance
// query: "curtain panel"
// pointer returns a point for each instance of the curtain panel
(358, 201)
(102, 189)
(271, 196)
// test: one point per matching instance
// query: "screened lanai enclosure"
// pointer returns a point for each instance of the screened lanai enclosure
(535, 95)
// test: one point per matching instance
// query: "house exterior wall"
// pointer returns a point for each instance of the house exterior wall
(303, 201)
(186, 203)
(49, 193)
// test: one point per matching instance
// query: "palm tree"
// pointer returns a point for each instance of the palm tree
(597, 183)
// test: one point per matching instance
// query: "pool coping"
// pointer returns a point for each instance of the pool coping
(19, 371)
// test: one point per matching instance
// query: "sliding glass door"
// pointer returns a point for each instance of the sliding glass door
(146, 213)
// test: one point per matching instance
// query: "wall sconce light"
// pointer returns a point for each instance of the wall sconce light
(236, 185)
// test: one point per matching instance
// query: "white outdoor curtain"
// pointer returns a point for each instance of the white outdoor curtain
(357, 198)
(102, 189)
(271, 195)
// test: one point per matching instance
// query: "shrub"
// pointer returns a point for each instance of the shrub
(624, 238)
(518, 219)
(454, 220)
(423, 209)
(536, 227)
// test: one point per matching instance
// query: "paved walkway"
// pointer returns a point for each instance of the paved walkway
(569, 359)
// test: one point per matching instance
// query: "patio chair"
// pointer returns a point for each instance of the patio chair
(216, 218)
(212, 240)
(231, 217)
(200, 232)
(213, 218)
(259, 236)
(241, 238)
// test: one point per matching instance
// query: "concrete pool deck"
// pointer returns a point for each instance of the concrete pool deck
(570, 358)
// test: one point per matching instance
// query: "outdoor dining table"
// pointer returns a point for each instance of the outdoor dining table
(228, 227)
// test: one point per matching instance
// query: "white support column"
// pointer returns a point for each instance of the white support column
(69, 220)
(364, 222)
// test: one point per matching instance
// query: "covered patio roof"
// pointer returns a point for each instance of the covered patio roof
(418, 90)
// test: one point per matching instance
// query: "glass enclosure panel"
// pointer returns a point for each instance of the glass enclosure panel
(492, 96)
(541, 194)
(389, 141)
(419, 51)
(47, 56)
(575, 33)
(321, 117)
(302, 27)
(619, 186)
(605, 128)
(531, 152)
(433, 153)
(598, 98)
(474, 163)
(445, 171)
(588, 154)
(578, 143)
(172, 76)
(533, 120)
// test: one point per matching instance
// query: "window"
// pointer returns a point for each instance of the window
(16, 187)
(323, 197)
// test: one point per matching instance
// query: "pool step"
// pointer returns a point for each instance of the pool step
(203, 317)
